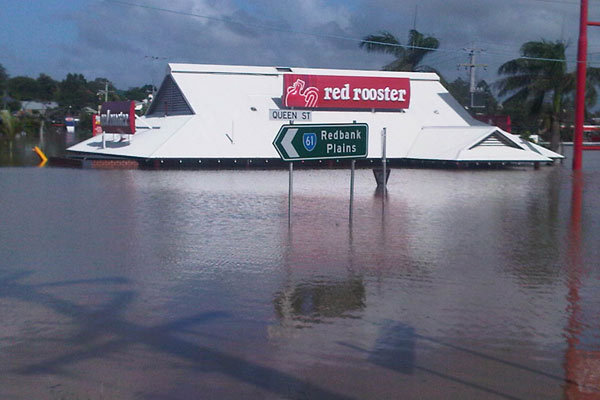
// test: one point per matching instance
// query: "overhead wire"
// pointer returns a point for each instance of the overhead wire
(340, 37)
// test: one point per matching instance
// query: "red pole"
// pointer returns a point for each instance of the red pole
(580, 94)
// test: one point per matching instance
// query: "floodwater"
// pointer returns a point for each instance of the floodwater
(191, 284)
(52, 140)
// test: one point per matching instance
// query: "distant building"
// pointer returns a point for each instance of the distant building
(36, 107)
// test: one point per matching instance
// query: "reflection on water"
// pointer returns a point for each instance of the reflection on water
(582, 358)
(316, 301)
(395, 347)
(53, 142)
(166, 284)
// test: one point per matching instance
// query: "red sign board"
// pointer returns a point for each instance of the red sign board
(118, 117)
(354, 92)
(96, 126)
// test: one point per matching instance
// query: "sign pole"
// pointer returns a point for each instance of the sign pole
(290, 188)
(291, 185)
(299, 142)
(383, 157)
(352, 164)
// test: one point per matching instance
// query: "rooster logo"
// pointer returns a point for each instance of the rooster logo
(296, 93)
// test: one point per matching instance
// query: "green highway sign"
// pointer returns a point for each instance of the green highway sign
(322, 141)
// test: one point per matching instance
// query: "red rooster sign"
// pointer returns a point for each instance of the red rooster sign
(296, 92)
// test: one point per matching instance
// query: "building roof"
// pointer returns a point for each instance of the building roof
(31, 105)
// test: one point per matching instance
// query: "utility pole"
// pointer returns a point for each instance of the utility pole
(104, 92)
(472, 68)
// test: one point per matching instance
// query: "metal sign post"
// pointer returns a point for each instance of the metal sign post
(291, 185)
(352, 164)
(321, 142)
(383, 157)
(290, 188)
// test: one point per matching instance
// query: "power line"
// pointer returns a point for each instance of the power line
(329, 36)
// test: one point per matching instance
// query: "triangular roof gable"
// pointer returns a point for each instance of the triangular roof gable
(499, 146)
(169, 100)
(496, 138)
(452, 143)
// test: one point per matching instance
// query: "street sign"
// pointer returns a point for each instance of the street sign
(321, 142)
(290, 115)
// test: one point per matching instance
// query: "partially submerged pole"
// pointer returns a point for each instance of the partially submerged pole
(290, 188)
(383, 157)
(352, 165)
(580, 93)
(291, 184)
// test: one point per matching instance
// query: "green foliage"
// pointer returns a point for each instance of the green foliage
(485, 101)
(3, 78)
(10, 125)
(47, 88)
(542, 87)
(85, 122)
(30, 124)
(531, 79)
(98, 86)
(138, 93)
(23, 88)
(74, 92)
(409, 56)
(13, 106)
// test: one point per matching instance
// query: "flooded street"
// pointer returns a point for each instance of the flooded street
(457, 284)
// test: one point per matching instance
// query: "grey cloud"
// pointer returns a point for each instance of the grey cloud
(118, 49)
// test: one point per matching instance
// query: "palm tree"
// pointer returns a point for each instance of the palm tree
(540, 77)
(409, 56)
(9, 126)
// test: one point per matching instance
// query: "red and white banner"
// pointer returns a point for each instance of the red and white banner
(355, 92)
(96, 125)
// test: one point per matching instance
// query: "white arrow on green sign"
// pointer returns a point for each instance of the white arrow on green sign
(321, 142)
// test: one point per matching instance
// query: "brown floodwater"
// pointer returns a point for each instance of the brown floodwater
(191, 284)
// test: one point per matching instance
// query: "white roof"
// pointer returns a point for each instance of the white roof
(472, 143)
(538, 149)
(231, 119)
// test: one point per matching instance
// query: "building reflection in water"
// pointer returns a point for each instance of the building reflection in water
(327, 257)
(314, 241)
(314, 302)
(582, 357)
(533, 232)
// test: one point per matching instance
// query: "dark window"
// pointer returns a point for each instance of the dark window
(169, 100)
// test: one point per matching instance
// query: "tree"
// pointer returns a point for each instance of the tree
(23, 88)
(409, 56)
(73, 92)
(138, 93)
(9, 126)
(98, 86)
(3, 78)
(484, 98)
(540, 81)
(47, 87)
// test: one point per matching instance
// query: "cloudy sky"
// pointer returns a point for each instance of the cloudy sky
(130, 41)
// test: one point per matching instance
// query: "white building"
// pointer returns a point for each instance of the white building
(217, 114)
